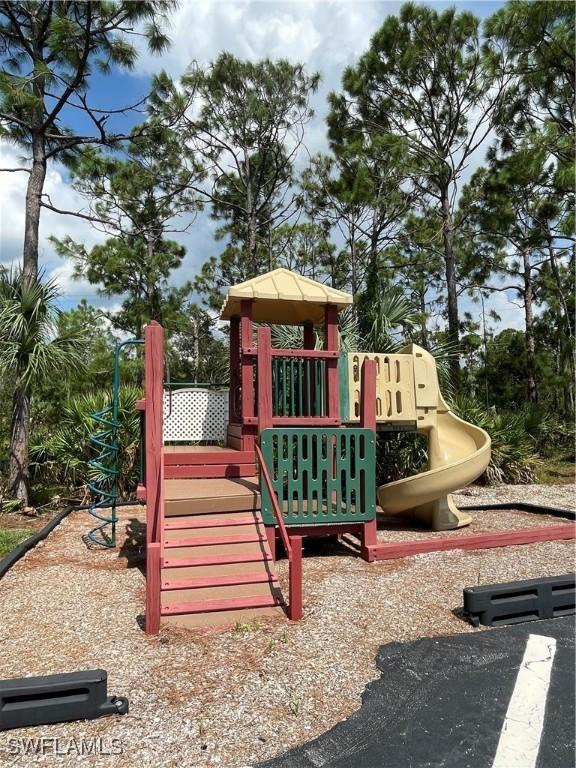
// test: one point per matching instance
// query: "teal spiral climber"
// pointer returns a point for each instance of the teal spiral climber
(103, 480)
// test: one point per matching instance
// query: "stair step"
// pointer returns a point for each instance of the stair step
(211, 521)
(208, 606)
(219, 592)
(202, 496)
(214, 570)
(227, 580)
(202, 455)
(208, 541)
(242, 557)
(236, 548)
(197, 471)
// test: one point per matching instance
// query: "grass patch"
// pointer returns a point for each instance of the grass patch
(11, 538)
(556, 471)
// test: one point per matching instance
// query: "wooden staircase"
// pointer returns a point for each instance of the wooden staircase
(187, 461)
(216, 564)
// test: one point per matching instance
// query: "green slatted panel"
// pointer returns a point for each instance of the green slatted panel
(298, 387)
(344, 384)
(320, 476)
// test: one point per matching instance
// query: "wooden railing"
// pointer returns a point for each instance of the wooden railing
(154, 473)
(295, 387)
(292, 545)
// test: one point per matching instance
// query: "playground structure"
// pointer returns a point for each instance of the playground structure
(289, 452)
(298, 458)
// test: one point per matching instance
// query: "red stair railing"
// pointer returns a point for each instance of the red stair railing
(292, 545)
(154, 479)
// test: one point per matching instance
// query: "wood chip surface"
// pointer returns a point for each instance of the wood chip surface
(234, 698)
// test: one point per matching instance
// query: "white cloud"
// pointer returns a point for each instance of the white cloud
(12, 215)
(325, 36)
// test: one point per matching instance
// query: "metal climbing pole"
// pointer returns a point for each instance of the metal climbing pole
(103, 482)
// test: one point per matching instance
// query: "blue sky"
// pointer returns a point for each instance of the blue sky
(326, 36)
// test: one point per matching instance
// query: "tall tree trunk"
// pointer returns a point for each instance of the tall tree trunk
(565, 334)
(33, 206)
(423, 328)
(529, 324)
(195, 349)
(450, 271)
(18, 471)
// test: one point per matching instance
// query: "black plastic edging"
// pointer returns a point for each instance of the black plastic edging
(25, 546)
(58, 698)
(524, 506)
(495, 605)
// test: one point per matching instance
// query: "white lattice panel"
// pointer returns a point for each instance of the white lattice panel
(196, 414)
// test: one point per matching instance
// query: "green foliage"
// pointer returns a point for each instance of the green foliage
(62, 456)
(292, 336)
(514, 458)
(51, 49)
(138, 201)
(31, 348)
(245, 120)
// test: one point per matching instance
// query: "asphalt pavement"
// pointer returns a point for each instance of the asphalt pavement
(445, 702)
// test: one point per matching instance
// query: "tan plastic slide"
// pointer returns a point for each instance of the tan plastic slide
(458, 452)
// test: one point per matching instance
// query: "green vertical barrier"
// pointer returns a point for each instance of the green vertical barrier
(344, 387)
(320, 476)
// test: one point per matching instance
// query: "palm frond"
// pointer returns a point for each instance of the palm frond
(29, 341)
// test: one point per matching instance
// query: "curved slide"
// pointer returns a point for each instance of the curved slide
(458, 453)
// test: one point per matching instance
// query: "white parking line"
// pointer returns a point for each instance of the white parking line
(520, 737)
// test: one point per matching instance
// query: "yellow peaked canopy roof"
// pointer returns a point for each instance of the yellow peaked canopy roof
(284, 298)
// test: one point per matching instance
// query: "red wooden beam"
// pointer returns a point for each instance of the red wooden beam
(316, 354)
(368, 395)
(152, 622)
(309, 340)
(154, 399)
(228, 580)
(331, 343)
(234, 368)
(195, 522)
(208, 457)
(295, 611)
(183, 471)
(331, 340)
(305, 421)
(191, 562)
(391, 551)
(298, 421)
(264, 374)
(229, 604)
(251, 537)
(247, 366)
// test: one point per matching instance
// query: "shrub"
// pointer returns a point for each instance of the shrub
(63, 455)
(514, 456)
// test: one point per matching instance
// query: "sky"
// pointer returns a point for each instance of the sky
(325, 36)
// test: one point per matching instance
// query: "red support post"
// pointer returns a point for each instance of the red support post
(233, 416)
(153, 588)
(369, 540)
(264, 374)
(368, 395)
(309, 341)
(247, 365)
(154, 400)
(295, 578)
(331, 342)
